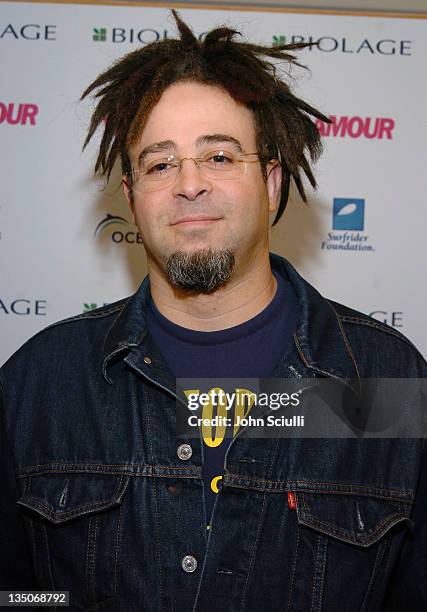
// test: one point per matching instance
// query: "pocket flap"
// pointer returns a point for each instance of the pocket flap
(61, 497)
(357, 519)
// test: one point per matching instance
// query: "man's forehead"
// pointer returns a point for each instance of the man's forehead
(188, 112)
(203, 104)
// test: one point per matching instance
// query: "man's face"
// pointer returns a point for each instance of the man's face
(199, 213)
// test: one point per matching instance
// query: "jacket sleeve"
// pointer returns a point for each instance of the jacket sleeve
(408, 584)
(16, 571)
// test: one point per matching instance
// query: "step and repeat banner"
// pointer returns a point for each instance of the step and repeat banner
(67, 242)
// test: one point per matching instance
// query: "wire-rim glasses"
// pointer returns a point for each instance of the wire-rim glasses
(217, 164)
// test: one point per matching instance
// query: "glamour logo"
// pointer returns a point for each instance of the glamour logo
(23, 306)
(348, 219)
(330, 44)
(357, 127)
(393, 318)
(111, 222)
(29, 31)
(13, 113)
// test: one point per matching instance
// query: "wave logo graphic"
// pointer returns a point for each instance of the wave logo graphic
(107, 221)
(348, 214)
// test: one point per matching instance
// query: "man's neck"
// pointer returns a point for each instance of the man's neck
(242, 298)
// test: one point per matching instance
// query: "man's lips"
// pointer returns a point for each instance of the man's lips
(195, 219)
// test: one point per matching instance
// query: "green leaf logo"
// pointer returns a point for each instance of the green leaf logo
(100, 34)
(279, 40)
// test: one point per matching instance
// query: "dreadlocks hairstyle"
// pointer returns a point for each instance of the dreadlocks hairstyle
(129, 90)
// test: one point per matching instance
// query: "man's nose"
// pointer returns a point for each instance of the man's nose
(191, 182)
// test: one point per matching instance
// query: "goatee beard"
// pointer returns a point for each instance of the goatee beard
(202, 271)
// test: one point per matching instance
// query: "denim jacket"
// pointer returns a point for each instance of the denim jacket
(97, 497)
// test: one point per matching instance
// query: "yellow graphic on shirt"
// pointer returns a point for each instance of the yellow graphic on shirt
(221, 409)
(214, 483)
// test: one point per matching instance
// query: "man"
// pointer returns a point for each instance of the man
(99, 497)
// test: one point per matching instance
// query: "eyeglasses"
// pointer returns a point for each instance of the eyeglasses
(218, 164)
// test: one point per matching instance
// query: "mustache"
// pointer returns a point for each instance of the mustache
(199, 213)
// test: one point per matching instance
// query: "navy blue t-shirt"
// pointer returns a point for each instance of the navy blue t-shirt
(249, 350)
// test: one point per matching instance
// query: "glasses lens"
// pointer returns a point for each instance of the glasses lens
(159, 169)
(221, 164)
(155, 173)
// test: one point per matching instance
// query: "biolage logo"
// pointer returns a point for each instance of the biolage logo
(391, 317)
(279, 39)
(348, 224)
(13, 113)
(128, 35)
(347, 45)
(357, 127)
(28, 31)
(117, 229)
(99, 34)
(133, 35)
(23, 306)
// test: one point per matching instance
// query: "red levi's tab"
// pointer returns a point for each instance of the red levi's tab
(292, 502)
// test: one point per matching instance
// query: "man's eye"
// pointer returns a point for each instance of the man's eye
(159, 168)
(221, 159)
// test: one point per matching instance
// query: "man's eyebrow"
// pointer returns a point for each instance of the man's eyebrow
(218, 138)
(167, 145)
(156, 147)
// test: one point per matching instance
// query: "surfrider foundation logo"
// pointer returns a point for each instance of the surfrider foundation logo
(348, 225)
(348, 214)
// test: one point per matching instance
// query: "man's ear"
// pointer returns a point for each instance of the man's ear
(274, 184)
(127, 189)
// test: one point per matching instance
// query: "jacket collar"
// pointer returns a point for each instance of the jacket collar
(320, 339)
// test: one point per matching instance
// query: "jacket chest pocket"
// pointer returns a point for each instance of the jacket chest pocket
(346, 547)
(73, 523)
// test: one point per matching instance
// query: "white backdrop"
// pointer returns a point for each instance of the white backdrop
(67, 245)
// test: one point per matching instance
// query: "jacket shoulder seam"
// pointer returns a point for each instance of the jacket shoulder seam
(91, 315)
(376, 325)
(84, 316)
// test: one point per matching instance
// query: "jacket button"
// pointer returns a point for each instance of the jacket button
(147, 359)
(189, 564)
(184, 451)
